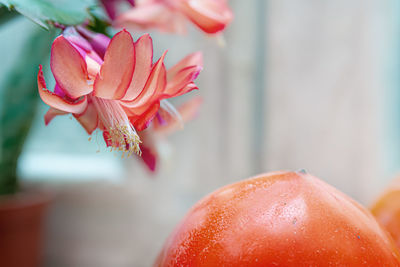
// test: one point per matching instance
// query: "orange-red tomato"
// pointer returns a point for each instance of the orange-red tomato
(387, 210)
(279, 219)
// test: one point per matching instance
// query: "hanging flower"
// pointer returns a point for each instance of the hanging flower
(113, 93)
(211, 16)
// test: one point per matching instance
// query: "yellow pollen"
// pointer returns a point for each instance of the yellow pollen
(122, 135)
(124, 139)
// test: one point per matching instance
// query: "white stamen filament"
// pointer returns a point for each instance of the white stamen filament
(122, 134)
(171, 110)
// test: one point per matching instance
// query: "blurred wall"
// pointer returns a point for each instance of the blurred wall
(326, 83)
(300, 84)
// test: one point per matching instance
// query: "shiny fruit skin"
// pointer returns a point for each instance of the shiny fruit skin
(279, 219)
(387, 210)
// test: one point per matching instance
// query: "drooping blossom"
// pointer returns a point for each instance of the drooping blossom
(118, 93)
(211, 16)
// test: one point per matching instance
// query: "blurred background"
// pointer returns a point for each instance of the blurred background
(305, 84)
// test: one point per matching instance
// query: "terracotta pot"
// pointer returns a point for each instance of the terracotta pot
(21, 228)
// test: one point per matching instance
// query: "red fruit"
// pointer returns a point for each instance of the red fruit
(279, 219)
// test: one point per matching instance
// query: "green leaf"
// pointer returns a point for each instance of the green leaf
(18, 104)
(6, 15)
(99, 22)
(66, 12)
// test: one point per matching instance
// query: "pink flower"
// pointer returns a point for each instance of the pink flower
(211, 16)
(112, 93)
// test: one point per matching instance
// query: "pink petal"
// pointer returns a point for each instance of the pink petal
(116, 72)
(93, 67)
(69, 68)
(209, 15)
(143, 16)
(110, 7)
(75, 38)
(150, 15)
(107, 138)
(51, 114)
(88, 119)
(194, 59)
(58, 102)
(189, 87)
(144, 61)
(149, 149)
(58, 91)
(99, 42)
(149, 157)
(136, 111)
(181, 80)
(154, 87)
(142, 122)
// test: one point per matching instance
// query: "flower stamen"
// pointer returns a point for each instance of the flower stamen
(119, 133)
